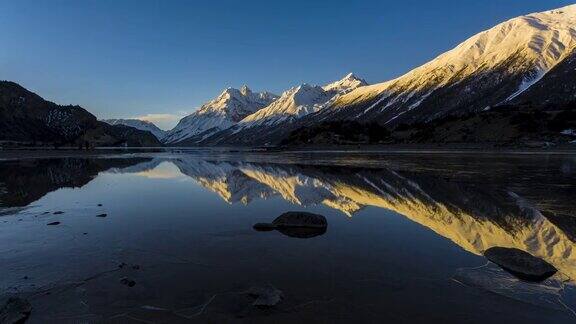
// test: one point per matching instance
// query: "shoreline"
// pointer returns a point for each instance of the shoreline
(40, 152)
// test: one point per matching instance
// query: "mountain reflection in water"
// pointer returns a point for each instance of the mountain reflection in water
(517, 204)
(473, 216)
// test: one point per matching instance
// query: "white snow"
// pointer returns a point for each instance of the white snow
(535, 43)
(300, 101)
(527, 83)
(220, 113)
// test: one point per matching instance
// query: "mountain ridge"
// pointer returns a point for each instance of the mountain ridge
(219, 113)
(28, 119)
(495, 67)
(143, 125)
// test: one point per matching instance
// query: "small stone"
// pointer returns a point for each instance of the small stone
(54, 223)
(99, 205)
(135, 267)
(102, 215)
(58, 212)
(15, 310)
(265, 296)
(128, 282)
(122, 265)
(521, 264)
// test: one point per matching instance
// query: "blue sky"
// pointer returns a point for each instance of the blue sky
(123, 58)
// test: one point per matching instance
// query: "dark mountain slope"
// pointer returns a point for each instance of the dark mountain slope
(28, 119)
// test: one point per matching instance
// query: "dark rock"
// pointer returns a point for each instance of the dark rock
(521, 264)
(128, 282)
(99, 205)
(264, 227)
(265, 296)
(296, 224)
(54, 223)
(16, 310)
(58, 212)
(300, 219)
(135, 267)
(102, 215)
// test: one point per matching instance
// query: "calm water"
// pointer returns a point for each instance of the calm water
(405, 237)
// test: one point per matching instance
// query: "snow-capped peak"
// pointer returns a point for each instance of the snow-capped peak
(245, 91)
(231, 106)
(302, 100)
(347, 83)
(514, 54)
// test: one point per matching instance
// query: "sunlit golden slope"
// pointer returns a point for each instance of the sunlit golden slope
(475, 221)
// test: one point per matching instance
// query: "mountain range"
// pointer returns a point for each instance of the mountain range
(511, 84)
(475, 208)
(139, 124)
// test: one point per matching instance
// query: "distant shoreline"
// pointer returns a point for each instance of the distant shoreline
(40, 152)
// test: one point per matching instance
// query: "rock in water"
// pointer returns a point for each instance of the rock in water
(16, 310)
(264, 227)
(265, 296)
(520, 264)
(296, 224)
(128, 282)
(300, 219)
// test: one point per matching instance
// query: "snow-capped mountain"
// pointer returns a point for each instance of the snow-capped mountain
(139, 124)
(346, 84)
(490, 68)
(231, 106)
(300, 101)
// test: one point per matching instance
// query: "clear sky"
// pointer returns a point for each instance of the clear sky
(132, 58)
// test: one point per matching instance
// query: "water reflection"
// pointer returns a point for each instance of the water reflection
(25, 181)
(472, 214)
(525, 204)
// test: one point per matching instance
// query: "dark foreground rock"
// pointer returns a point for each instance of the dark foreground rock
(16, 310)
(53, 223)
(265, 296)
(128, 282)
(521, 264)
(296, 224)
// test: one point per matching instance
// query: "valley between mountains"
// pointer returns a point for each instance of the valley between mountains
(513, 85)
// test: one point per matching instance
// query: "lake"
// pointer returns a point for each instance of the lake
(168, 236)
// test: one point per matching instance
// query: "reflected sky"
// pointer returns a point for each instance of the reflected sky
(400, 228)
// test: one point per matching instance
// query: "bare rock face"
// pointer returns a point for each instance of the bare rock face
(16, 310)
(296, 224)
(521, 264)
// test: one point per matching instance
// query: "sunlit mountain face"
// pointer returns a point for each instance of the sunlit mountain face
(472, 214)
(470, 203)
